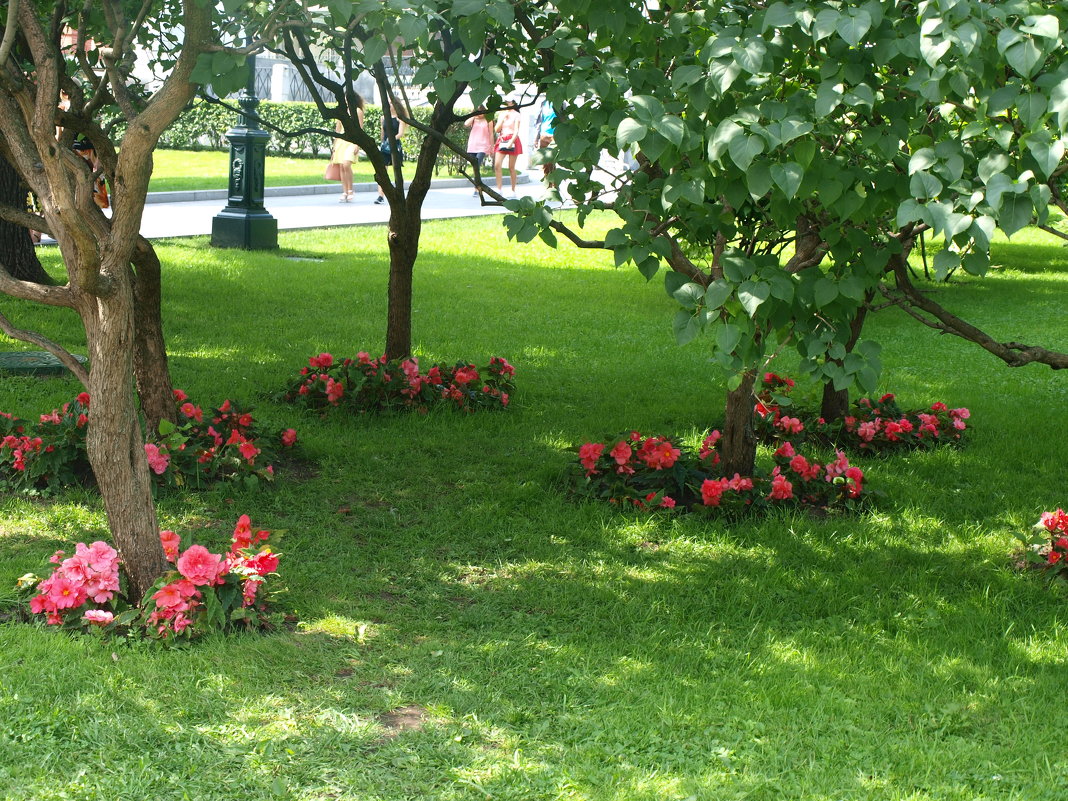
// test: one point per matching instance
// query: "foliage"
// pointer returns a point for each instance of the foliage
(205, 592)
(364, 384)
(786, 155)
(875, 426)
(653, 472)
(224, 445)
(229, 447)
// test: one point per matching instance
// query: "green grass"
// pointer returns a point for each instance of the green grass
(563, 650)
(176, 170)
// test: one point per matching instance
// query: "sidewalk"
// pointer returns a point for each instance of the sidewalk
(298, 207)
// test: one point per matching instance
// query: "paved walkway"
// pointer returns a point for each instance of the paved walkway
(448, 198)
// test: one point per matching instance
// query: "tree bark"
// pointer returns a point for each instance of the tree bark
(403, 238)
(17, 251)
(113, 440)
(836, 401)
(738, 446)
(152, 376)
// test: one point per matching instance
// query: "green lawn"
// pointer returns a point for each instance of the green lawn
(175, 170)
(556, 650)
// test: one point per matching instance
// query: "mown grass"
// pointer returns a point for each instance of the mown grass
(561, 649)
(177, 170)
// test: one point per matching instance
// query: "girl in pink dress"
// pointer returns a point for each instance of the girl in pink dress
(509, 145)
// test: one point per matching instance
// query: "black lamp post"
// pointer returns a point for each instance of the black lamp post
(245, 223)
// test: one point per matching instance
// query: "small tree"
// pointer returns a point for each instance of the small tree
(788, 155)
(113, 274)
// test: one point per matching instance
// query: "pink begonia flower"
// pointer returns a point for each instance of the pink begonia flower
(199, 565)
(195, 412)
(98, 617)
(179, 396)
(334, 390)
(621, 453)
(465, 375)
(790, 425)
(786, 451)
(712, 491)
(83, 399)
(289, 437)
(157, 459)
(781, 488)
(263, 563)
(248, 451)
(589, 454)
(171, 543)
(939, 407)
(168, 596)
(65, 594)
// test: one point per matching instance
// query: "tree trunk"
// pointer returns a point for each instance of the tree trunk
(403, 237)
(17, 252)
(151, 374)
(836, 401)
(738, 446)
(114, 443)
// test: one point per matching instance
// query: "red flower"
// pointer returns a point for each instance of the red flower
(712, 491)
(621, 453)
(83, 399)
(589, 454)
(179, 396)
(289, 437)
(465, 375)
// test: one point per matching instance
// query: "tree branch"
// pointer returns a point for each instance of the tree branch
(58, 351)
(10, 28)
(1014, 354)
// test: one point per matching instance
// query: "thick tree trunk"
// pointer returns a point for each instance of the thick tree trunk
(738, 446)
(403, 237)
(17, 252)
(114, 443)
(836, 401)
(150, 352)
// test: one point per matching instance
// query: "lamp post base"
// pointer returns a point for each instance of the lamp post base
(244, 229)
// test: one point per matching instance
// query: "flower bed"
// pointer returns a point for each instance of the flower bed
(650, 472)
(205, 592)
(875, 425)
(365, 385)
(225, 444)
(1047, 548)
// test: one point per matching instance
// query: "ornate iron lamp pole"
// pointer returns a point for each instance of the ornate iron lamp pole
(245, 223)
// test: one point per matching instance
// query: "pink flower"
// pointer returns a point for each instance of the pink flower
(1053, 521)
(179, 396)
(658, 453)
(781, 489)
(712, 491)
(248, 451)
(83, 399)
(502, 366)
(289, 437)
(889, 396)
(589, 453)
(739, 484)
(157, 459)
(199, 565)
(939, 407)
(170, 596)
(64, 593)
(786, 451)
(465, 375)
(323, 360)
(621, 453)
(194, 412)
(171, 542)
(263, 563)
(98, 617)
(334, 390)
(791, 425)
(960, 414)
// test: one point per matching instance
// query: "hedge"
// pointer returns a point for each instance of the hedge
(203, 126)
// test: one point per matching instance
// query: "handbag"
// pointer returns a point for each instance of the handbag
(333, 172)
(506, 146)
(384, 149)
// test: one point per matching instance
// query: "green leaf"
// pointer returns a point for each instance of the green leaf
(727, 337)
(716, 294)
(852, 287)
(828, 96)
(467, 8)
(922, 159)
(726, 132)
(788, 177)
(672, 128)
(743, 149)
(689, 295)
(778, 15)
(944, 262)
(750, 55)
(629, 132)
(373, 50)
(758, 180)
(1046, 151)
(722, 74)
(751, 294)
(686, 75)
(686, 327)
(924, 186)
(1024, 57)
(853, 27)
(789, 129)
(736, 267)
(826, 23)
(992, 164)
(167, 427)
(1015, 213)
(908, 211)
(1046, 26)
(825, 292)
